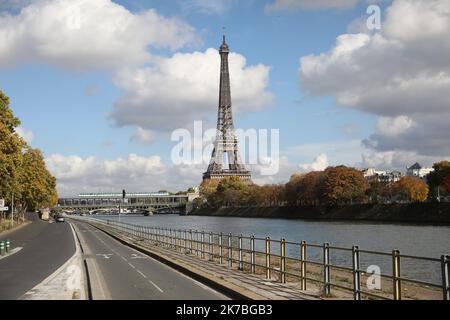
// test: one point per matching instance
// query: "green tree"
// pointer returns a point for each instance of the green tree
(11, 157)
(232, 191)
(436, 178)
(22, 169)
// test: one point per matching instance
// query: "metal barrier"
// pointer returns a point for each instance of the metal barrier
(242, 252)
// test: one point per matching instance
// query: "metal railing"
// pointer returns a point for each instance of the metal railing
(271, 258)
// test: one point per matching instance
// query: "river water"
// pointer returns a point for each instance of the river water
(417, 240)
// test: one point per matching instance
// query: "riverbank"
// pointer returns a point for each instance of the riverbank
(424, 213)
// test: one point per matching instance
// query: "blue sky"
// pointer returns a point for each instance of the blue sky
(72, 101)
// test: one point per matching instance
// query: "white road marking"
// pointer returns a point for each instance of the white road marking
(159, 289)
(138, 256)
(123, 258)
(105, 255)
(131, 265)
(139, 271)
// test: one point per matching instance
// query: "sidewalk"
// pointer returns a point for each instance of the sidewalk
(245, 285)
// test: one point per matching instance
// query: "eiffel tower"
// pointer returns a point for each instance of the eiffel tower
(226, 143)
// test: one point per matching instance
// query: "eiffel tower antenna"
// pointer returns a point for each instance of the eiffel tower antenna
(226, 143)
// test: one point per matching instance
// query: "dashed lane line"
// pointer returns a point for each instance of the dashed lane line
(139, 271)
(153, 284)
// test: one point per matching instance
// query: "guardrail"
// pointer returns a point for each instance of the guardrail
(270, 257)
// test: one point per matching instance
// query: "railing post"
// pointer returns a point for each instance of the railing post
(356, 273)
(445, 261)
(230, 251)
(283, 261)
(197, 243)
(241, 263)
(326, 269)
(203, 244)
(185, 242)
(210, 247)
(303, 258)
(268, 270)
(397, 283)
(220, 248)
(190, 241)
(252, 254)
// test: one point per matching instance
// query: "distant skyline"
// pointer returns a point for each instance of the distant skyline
(100, 85)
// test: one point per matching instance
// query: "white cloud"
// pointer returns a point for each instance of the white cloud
(85, 34)
(175, 91)
(143, 136)
(320, 163)
(26, 135)
(393, 127)
(400, 74)
(347, 152)
(135, 173)
(309, 4)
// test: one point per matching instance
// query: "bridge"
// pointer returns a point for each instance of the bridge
(151, 201)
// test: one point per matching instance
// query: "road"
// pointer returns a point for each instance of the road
(45, 247)
(117, 271)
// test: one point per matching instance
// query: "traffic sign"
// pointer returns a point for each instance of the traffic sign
(4, 208)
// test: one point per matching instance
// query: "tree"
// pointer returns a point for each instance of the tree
(22, 169)
(310, 188)
(11, 146)
(292, 189)
(375, 190)
(411, 189)
(446, 183)
(436, 178)
(232, 191)
(208, 190)
(343, 185)
(39, 186)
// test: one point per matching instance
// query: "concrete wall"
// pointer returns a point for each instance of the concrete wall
(433, 213)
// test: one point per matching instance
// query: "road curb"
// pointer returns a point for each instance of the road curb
(224, 287)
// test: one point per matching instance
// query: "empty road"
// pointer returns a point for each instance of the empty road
(117, 271)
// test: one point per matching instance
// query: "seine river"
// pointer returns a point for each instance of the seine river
(426, 241)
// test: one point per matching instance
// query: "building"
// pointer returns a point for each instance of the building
(416, 170)
(372, 174)
(225, 157)
(390, 177)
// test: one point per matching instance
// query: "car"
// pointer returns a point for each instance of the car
(59, 219)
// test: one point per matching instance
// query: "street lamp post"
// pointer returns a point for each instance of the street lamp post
(12, 210)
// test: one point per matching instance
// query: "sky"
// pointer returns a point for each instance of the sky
(101, 85)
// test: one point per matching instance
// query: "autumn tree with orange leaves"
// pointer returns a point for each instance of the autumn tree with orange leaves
(343, 185)
(411, 189)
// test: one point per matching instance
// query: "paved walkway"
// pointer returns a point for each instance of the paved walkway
(248, 285)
